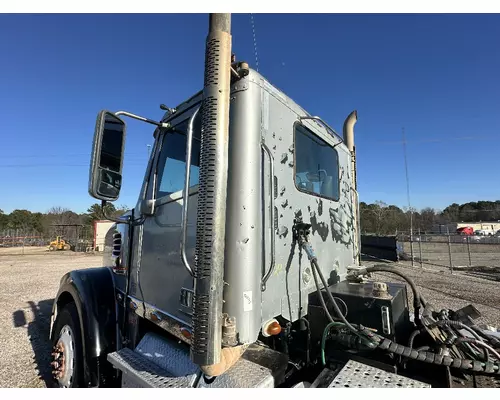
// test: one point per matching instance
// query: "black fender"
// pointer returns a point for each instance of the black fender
(93, 292)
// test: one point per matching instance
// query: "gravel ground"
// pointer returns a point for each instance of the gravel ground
(453, 291)
(28, 285)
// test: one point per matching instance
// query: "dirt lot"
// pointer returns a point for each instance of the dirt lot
(29, 283)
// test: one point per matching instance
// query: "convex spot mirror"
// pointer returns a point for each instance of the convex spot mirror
(107, 157)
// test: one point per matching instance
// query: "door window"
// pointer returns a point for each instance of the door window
(172, 161)
(316, 165)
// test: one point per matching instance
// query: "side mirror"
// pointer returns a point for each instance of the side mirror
(107, 157)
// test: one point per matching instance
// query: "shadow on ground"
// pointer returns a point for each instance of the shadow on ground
(38, 333)
(368, 258)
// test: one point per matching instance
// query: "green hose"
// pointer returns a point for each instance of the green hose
(323, 339)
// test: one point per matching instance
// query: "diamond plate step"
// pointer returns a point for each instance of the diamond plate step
(358, 375)
(140, 372)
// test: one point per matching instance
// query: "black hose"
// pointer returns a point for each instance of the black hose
(438, 359)
(493, 340)
(320, 295)
(357, 332)
(456, 324)
(412, 338)
(418, 300)
(480, 343)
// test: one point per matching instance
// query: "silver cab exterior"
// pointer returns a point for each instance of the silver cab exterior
(271, 153)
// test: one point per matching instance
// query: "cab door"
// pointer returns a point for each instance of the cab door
(162, 276)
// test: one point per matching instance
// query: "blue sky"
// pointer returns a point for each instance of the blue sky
(435, 75)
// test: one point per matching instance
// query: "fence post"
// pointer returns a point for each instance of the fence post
(24, 238)
(468, 250)
(420, 248)
(411, 248)
(449, 250)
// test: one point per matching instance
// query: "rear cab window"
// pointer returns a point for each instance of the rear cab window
(316, 165)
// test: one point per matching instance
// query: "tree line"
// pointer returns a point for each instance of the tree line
(56, 221)
(378, 218)
(383, 219)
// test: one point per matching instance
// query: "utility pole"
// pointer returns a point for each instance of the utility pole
(408, 195)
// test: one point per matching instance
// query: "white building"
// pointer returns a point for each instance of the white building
(101, 228)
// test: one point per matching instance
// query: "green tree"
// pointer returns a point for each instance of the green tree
(94, 212)
(4, 220)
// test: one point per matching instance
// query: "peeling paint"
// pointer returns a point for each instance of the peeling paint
(290, 164)
(341, 226)
(320, 227)
(298, 213)
(283, 231)
(284, 158)
(291, 149)
(282, 190)
(284, 203)
(320, 207)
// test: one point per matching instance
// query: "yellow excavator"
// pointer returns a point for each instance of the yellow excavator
(59, 244)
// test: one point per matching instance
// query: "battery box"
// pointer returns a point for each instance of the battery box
(384, 312)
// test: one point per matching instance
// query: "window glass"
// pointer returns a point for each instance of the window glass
(316, 165)
(172, 161)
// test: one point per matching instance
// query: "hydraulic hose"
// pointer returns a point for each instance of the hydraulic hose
(493, 340)
(320, 295)
(412, 338)
(456, 324)
(390, 346)
(365, 335)
(418, 299)
(479, 343)
(438, 359)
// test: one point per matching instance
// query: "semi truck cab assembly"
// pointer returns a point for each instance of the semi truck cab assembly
(239, 266)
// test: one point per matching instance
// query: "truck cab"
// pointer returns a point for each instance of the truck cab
(283, 164)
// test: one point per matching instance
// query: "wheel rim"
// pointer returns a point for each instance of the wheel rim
(63, 365)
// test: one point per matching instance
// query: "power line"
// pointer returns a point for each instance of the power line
(56, 165)
(58, 155)
(440, 140)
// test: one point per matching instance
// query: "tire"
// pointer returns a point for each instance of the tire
(67, 247)
(51, 248)
(67, 332)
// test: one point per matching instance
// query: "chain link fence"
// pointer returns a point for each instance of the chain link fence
(76, 238)
(451, 251)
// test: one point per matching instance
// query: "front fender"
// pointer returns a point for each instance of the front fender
(93, 292)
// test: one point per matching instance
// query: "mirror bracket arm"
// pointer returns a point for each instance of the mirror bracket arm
(143, 119)
(118, 221)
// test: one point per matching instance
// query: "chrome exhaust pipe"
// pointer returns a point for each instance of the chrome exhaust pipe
(348, 133)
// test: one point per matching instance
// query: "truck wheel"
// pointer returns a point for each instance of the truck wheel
(67, 354)
(51, 248)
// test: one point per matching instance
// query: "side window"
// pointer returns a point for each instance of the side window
(316, 165)
(172, 161)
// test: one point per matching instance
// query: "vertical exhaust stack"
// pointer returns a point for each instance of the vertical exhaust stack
(348, 132)
(210, 231)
